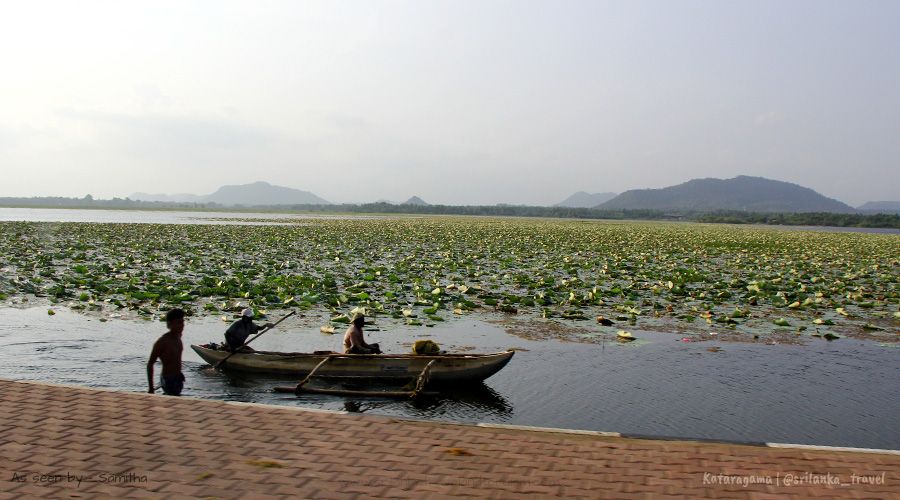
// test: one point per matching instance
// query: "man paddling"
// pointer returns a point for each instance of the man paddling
(168, 350)
(354, 343)
(238, 332)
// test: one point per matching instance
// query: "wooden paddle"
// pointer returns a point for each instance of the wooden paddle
(264, 330)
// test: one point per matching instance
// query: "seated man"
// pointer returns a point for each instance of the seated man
(238, 332)
(354, 343)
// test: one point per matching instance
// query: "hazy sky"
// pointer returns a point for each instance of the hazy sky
(458, 102)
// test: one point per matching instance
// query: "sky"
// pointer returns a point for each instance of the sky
(459, 102)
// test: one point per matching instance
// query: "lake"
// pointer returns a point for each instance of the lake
(841, 393)
(158, 216)
(780, 388)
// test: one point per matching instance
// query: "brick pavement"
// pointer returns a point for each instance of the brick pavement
(139, 445)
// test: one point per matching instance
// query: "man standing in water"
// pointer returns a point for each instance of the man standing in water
(168, 350)
(354, 343)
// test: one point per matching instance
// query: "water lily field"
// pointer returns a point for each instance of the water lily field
(541, 278)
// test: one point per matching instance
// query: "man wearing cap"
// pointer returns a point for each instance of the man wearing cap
(238, 332)
(354, 343)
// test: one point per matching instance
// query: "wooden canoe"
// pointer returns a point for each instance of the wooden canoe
(447, 367)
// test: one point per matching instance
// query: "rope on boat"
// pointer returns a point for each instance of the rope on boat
(423, 379)
(303, 382)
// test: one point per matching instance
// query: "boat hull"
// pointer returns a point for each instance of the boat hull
(447, 367)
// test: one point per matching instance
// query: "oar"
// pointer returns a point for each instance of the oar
(264, 330)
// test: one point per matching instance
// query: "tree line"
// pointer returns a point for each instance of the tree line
(891, 221)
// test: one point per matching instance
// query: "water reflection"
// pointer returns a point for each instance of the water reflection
(469, 400)
(472, 401)
(476, 398)
(233, 385)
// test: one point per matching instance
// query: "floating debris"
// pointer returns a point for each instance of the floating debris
(625, 336)
(604, 321)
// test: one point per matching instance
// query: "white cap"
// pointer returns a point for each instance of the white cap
(247, 312)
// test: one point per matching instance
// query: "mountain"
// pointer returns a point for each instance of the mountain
(415, 200)
(742, 193)
(585, 200)
(257, 193)
(880, 207)
(263, 193)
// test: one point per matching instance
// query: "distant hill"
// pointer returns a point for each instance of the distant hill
(257, 193)
(415, 200)
(263, 193)
(742, 193)
(880, 207)
(585, 200)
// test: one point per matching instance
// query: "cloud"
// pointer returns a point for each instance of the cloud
(770, 118)
(23, 137)
(171, 132)
(7, 138)
(347, 123)
(150, 96)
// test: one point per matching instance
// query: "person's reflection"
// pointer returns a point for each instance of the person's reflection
(426, 402)
(354, 407)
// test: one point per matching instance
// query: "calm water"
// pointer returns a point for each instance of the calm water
(842, 393)
(155, 216)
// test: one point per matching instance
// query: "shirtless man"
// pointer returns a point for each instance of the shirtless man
(354, 343)
(168, 350)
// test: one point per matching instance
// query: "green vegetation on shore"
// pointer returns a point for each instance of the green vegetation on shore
(885, 221)
(658, 276)
(888, 221)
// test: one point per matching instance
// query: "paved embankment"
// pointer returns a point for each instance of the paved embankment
(60, 441)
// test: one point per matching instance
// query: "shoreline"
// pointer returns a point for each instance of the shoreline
(63, 440)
